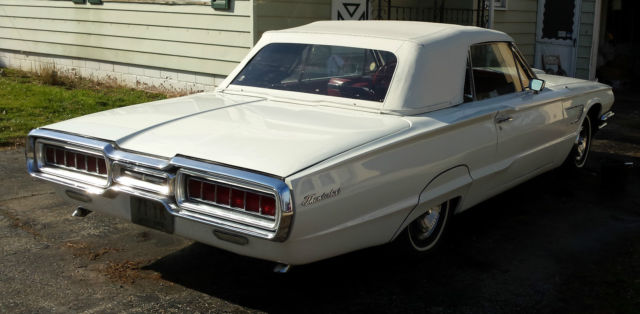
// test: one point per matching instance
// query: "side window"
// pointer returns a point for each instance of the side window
(494, 70)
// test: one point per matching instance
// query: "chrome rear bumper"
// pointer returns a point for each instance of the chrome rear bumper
(604, 118)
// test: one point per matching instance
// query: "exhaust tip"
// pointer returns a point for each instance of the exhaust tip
(80, 212)
(281, 268)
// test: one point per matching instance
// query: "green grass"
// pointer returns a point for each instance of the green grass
(29, 100)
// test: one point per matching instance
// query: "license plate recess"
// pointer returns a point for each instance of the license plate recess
(151, 214)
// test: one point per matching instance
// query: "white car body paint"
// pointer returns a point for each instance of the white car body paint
(390, 161)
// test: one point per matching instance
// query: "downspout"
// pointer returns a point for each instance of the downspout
(492, 6)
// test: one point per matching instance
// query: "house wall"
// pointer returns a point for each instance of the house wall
(519, 21)
(585, 40)
(181, 47)
(281, 14)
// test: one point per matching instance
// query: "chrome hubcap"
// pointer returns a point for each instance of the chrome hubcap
(428, 222)
(582, 142)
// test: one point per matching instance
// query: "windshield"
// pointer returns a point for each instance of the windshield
(320, 69)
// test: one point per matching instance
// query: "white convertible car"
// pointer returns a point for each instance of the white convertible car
(329, 138)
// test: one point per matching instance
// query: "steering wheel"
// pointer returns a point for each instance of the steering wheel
(382, 77)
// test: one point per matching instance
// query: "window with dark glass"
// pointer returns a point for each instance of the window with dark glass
(339, 71)
(494, 70)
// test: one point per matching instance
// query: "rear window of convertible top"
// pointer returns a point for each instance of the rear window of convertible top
(321, 69)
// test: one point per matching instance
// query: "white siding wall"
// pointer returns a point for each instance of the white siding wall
(194, 42)
(519, 21)
(281, 14)
(585, 39)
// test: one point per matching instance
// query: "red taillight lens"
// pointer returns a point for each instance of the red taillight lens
(102, 166)
(253, 202)
(194, 188)
(92, 163)
(222, 195)
(80, 162)
(50, 154)
(201, 190)
(237, 198)
(208, 192)
(59, 157)
(70, 160)
(268, 205)
(76, 160)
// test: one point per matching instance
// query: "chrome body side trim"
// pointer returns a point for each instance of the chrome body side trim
(172, 195)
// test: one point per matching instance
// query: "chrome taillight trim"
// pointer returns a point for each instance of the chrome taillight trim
(221, 211)
(71, 173)
(276, 229)
(231, 187)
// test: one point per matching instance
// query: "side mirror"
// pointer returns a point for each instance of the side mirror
(536, 85)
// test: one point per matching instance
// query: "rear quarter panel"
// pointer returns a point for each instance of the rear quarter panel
(380, 183)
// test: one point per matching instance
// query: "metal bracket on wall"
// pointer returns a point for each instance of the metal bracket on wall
(78, 1)
(221, 4)
(95, 1)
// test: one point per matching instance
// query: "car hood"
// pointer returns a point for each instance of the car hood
(274, 137)
(554, 80)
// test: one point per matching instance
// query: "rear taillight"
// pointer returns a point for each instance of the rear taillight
(71, 159)
(268, 206)
(232, 197)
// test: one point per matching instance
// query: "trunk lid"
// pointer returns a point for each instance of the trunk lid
(274, 137)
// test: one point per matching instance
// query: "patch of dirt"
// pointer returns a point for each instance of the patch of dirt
(82, 249)
(19, 224)
(127, 272)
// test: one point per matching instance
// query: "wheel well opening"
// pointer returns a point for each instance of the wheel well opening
(454, 203)
(594, 115)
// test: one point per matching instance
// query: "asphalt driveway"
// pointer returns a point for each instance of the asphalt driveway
(562, 242)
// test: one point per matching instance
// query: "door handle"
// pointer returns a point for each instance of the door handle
(503, 119)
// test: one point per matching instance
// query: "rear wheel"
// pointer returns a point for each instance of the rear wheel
(425, 232)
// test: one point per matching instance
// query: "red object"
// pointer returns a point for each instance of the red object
(102, 166)
(208, 192)
(59, 157)
(268, 205)
(50, 154)
(194, 188)
(222, 195)
(71, 160)
(80, 164)
(253, 202)
(91, 164)
(237, 198)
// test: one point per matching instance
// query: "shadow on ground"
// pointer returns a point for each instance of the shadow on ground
(562, 242)
(542, 246)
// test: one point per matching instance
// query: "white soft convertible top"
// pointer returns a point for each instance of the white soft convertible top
(431, 57)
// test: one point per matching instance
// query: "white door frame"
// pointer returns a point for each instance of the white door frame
(575, 35)
(595, 40)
